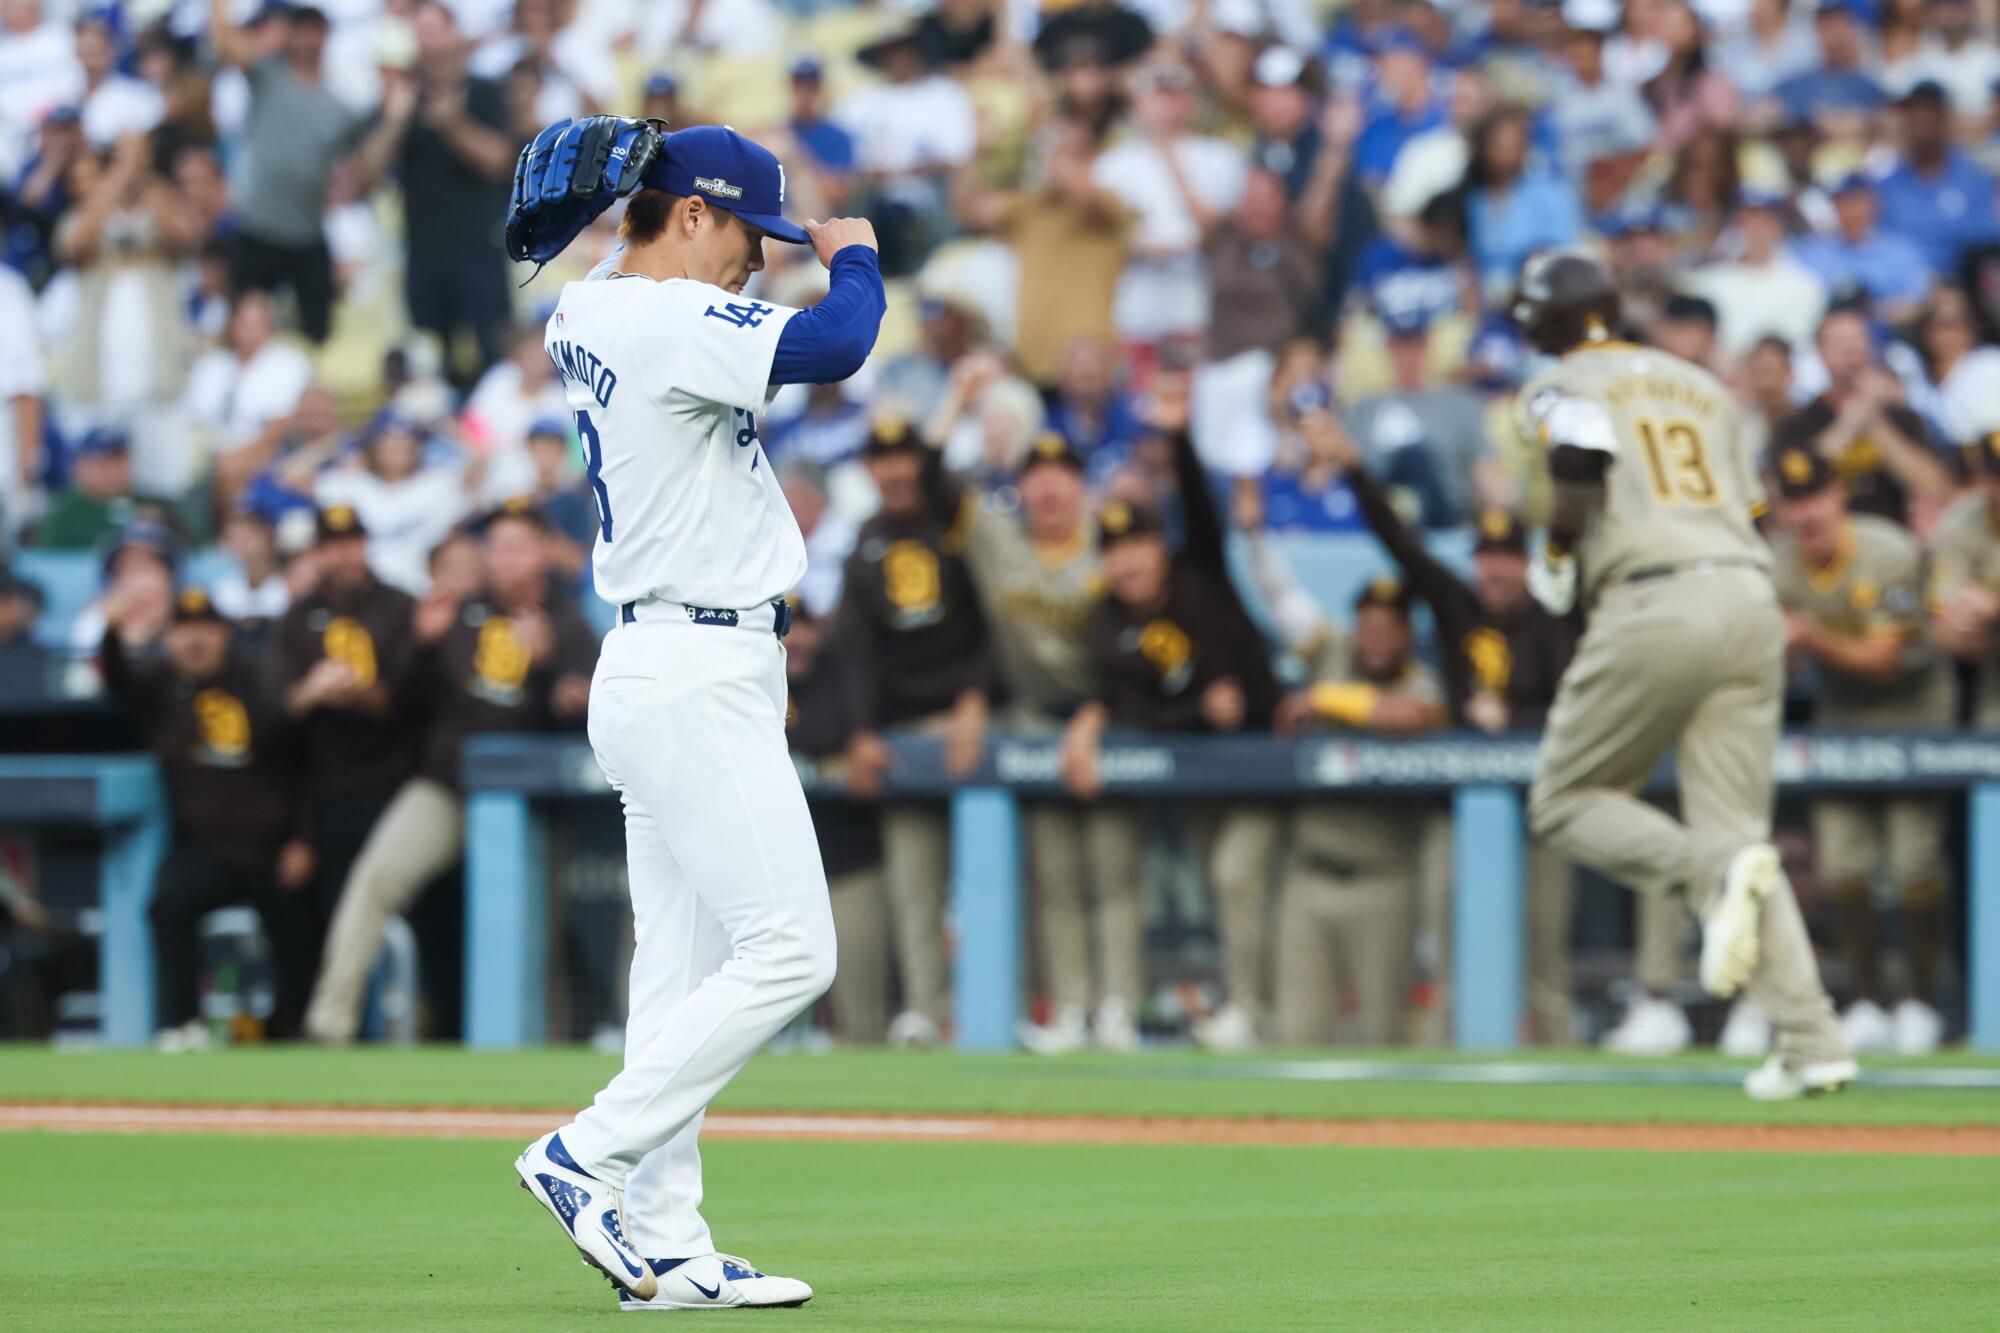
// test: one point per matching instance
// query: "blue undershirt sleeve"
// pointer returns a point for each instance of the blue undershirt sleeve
(829, 342)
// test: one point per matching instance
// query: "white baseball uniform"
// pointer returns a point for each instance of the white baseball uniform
(687, 717)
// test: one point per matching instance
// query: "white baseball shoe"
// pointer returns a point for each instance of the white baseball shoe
(715, 1282)
(1747, 1033)
(911, 1030)
(1867, 1027)
(1113, 1029)
(592, 1213)
(1731, 928)
(1919, 1028)
(1651, 1027)
(1229, 1030)
(1067, 1034)
(1779, 1080)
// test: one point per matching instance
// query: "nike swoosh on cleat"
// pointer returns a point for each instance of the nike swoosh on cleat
(706, 1291)
(619, 1250)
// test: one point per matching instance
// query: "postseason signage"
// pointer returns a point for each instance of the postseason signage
(1224, 766)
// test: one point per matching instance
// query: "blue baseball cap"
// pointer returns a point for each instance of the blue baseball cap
(103, 440)
(1854, 182)
(662, 84)
(807, 67)
(1756, 197)
(549, 426)
(731, 172)
(1401, 39)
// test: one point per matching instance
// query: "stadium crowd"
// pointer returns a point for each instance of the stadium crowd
(1156, 272)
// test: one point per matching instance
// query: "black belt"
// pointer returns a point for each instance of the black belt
(781, 616)
(1651, 572)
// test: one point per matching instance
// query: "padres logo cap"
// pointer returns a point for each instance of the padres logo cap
(338, 521)
(1121, 520)
(716, 163)
(1386, 592)
(1050, 447)
(193, 606)
(1802, 472)
(890, 435)
(1500, 531)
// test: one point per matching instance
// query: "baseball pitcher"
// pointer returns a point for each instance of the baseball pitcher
(667, 365)
(1653, 530)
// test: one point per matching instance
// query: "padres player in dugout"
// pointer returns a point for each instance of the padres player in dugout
(1501, 654)
(914, 644)
(1652, 532)
(1852, 587)
(1965, 582)
(339, 657)
(667, 365)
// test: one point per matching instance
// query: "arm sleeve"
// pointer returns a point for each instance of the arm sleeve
(829, 342)
(1433, 582)
(1202, 537)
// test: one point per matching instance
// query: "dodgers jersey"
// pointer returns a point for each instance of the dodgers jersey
(666, 380)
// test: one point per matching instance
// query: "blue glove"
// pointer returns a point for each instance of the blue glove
(569, 175)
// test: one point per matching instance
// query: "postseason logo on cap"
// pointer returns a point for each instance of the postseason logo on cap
(718, 187)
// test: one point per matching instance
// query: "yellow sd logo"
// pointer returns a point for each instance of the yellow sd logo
(500, 659)
(1492, 660)
(910, 576)
(1165, 645)
(224, 722)
(346, 641)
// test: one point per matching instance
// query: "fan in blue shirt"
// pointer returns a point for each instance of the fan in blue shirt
(1936, 197)
(1890, 269)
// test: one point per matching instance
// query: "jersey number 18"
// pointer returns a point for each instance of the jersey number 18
(593, 468)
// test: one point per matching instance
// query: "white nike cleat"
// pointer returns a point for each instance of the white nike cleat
(1230, 1030)
(1651, 1027)
(715, 1282)
(1113, 1029)
(1066, 1035)
(1867, 1027)
(592, 1213)
(1746, 1035)
(1778, 1080)
(1731, 929)
(1919, 1028)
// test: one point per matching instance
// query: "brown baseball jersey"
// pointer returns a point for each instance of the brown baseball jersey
(346, 749)
(1359, 837)
(1874, 587)
(1966, 550)
(1682, 487)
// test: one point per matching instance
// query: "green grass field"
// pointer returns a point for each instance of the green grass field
(208, 1232)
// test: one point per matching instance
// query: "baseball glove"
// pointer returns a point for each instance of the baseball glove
(569, 175)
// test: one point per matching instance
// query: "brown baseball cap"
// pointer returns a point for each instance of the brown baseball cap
(1121, 520)
(1500, 531)
(1803, 472)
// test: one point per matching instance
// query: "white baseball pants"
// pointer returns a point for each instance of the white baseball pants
(734, 929)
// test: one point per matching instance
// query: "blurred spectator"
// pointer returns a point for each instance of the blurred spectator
(1172, 650)
(574, 73)
(915, 642)
(38, 195)
(1513, 207)
(114, 104)
(505, 659)
(1071, 236)
(27, 668)
(1118, 34)
(297, 133)
(1091, 409)
(1422, 437)
(140, 566)
(1956, 54)
(986, 420)
(949, 325)
(829, 426)
(1179, 186)
(1836, 94)
(829, 532)
(444, 133)
(1935, 196)
(1703, 188)
(1687, 329)
(1303, 490)
(849, 833)
(1859, 256)
(1961, 375)
(99, 497)
(1347, 909)
(1775, 42)
(1314, 155)
(39, 72)
(828, 151)
(559, 493)
(511, 397)
(23, 382)
(254, 593)
(243, 395)
(1853, 593)
(1405, 105)
(1860, 423)
(406, 501)
(21, 603)
(231, 778)
(1688, 94)
(129, 347)
(1603, 130)
(338, 657)
(1762, 289)
(910, 129)
(1766, 389)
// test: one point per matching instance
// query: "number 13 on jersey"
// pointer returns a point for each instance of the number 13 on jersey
(1677, 462)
